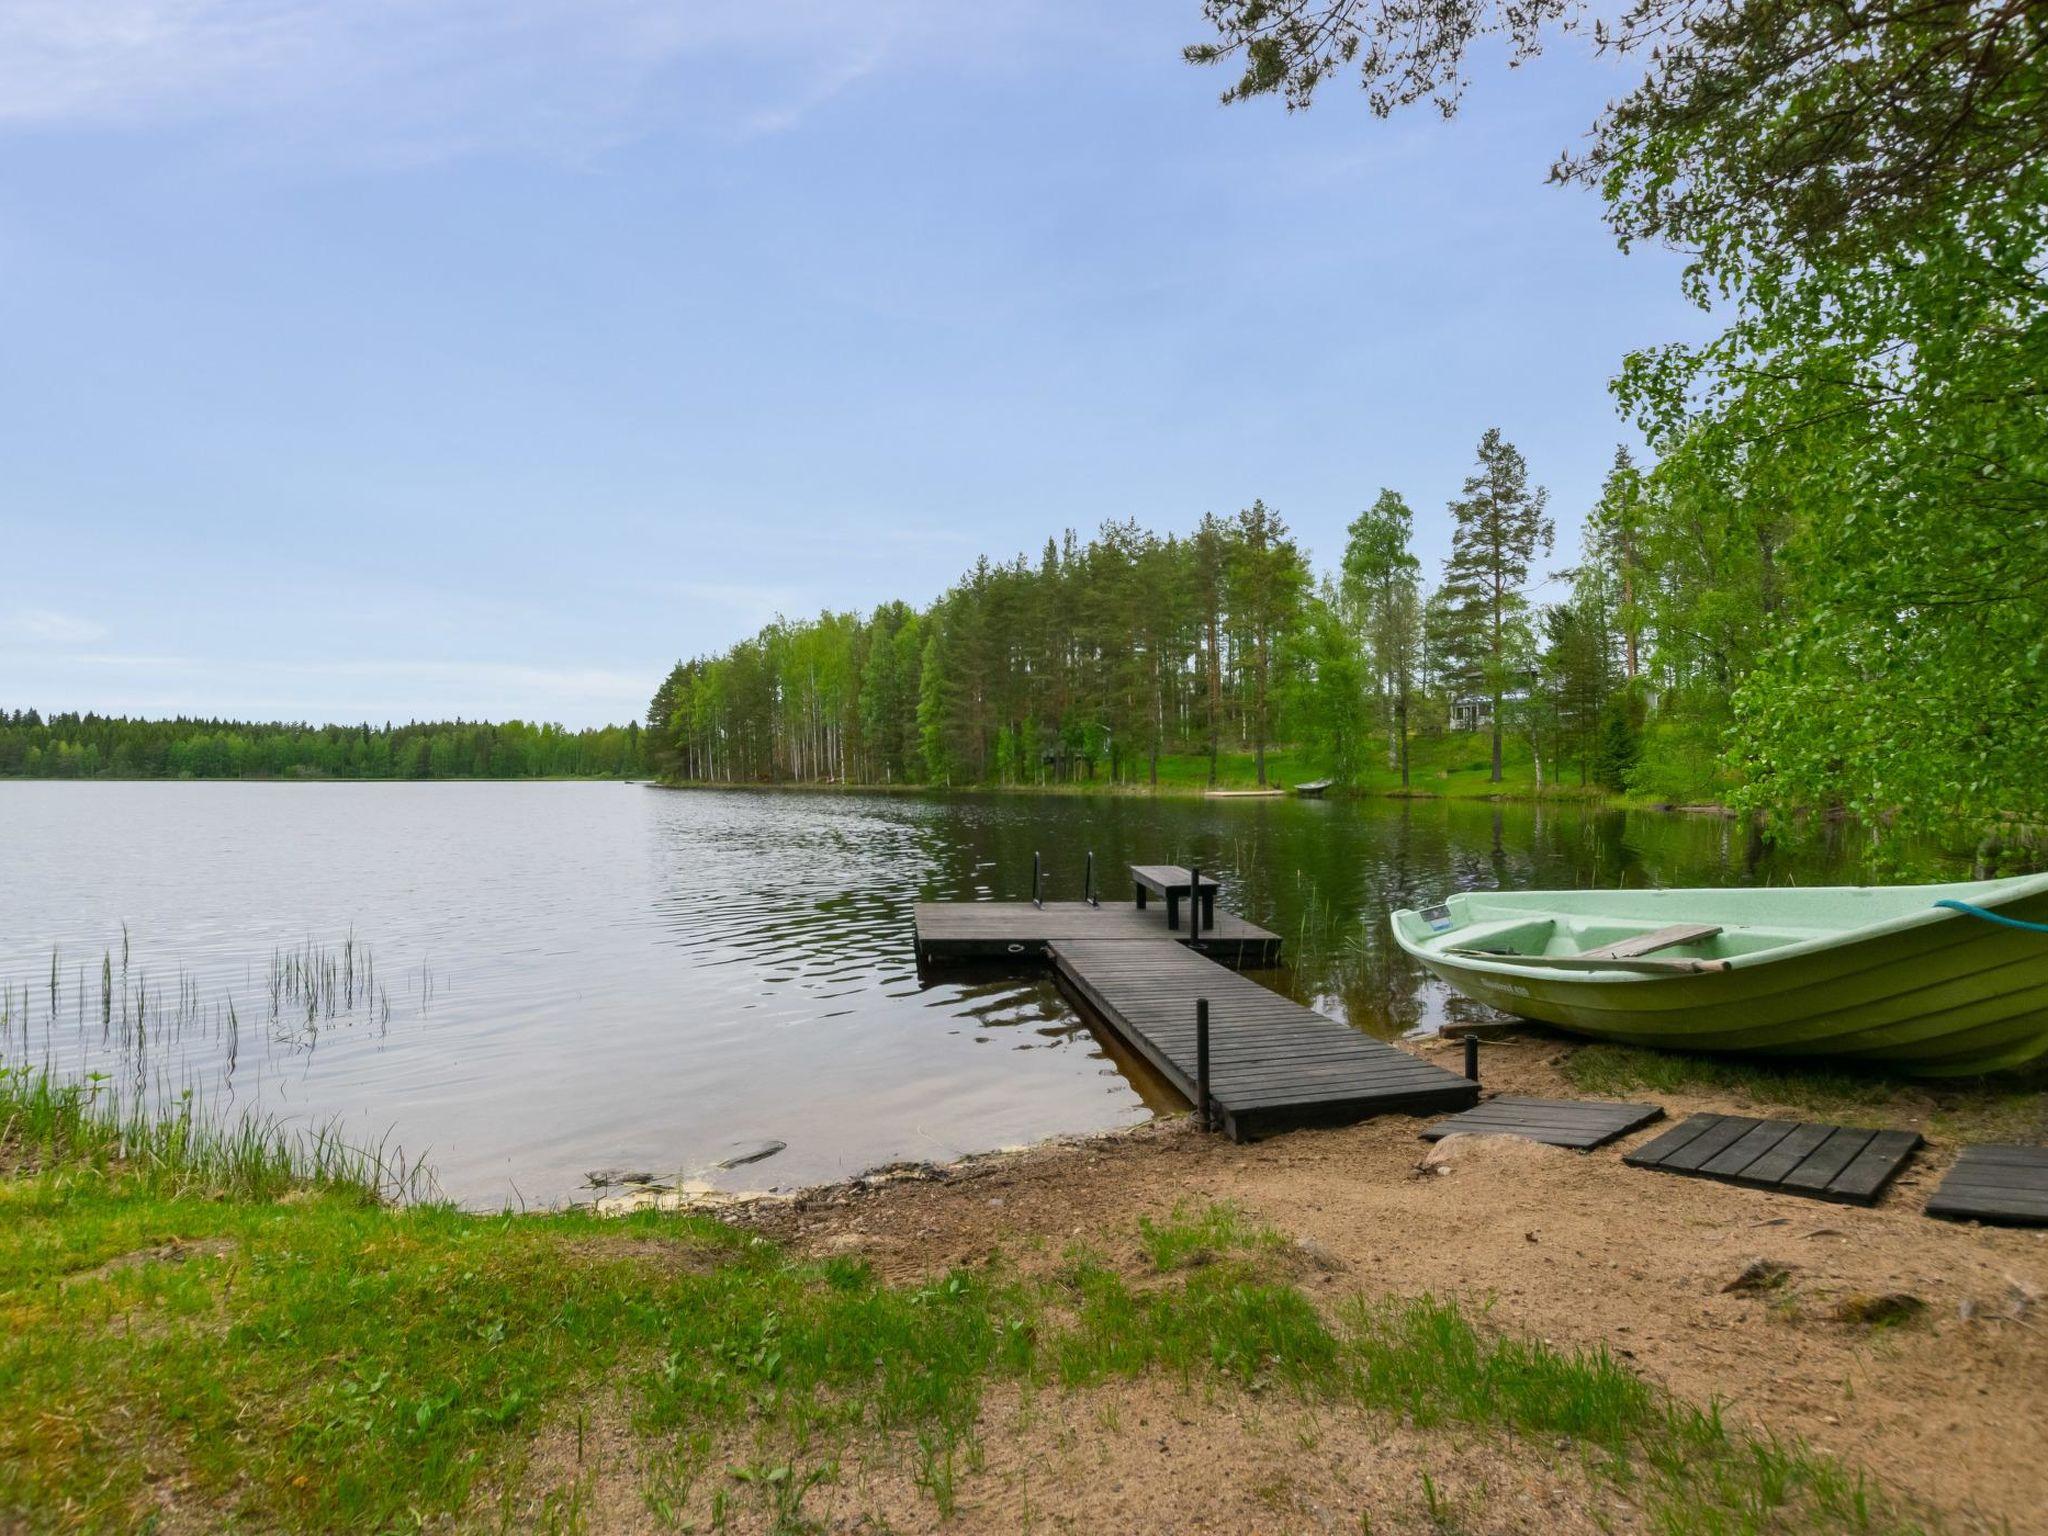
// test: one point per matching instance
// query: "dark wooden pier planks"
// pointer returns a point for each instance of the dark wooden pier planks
(1824, 1162)
(1582, 1124)
(996, 930)
(2003, 1186)
(1272, 1063)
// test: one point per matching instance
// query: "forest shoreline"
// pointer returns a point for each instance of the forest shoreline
(1587, 796)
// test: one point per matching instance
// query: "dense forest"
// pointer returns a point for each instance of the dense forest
(1099, 658)
(1826, 586)
(110, 746)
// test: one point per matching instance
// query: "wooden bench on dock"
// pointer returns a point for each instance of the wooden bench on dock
(1173, 882)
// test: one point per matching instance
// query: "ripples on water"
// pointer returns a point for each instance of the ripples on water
(525, 982)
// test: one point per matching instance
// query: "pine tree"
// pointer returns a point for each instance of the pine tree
(1500, 526)
(1214, 543)
(1614, 549)
(1267, 580)
(1380, 577)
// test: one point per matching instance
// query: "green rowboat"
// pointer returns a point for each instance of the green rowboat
(1936, 980)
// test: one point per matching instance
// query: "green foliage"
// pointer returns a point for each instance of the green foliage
(1092, 665)
(1328, 708)
(88, 746)
(1267, 580)
(1499, 525)
(1382, 586)
(1679, 757)
(1620, 746)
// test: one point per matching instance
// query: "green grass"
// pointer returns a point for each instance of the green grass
(1191, 1238)
(1189, 771)
(1451, 766)
(2013, 1106)
(305, 1358)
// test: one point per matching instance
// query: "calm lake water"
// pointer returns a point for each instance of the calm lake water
(522, 983)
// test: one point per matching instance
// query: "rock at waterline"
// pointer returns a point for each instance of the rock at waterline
(751, 1152)
(604, 1178)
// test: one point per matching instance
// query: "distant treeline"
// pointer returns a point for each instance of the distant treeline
(73, 746)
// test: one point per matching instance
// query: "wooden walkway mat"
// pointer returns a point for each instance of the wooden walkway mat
(1580, 1123)
(1273, 1064)
(1826, 1162)
(2003, 1186)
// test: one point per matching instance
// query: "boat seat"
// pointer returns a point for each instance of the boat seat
(1650, 943)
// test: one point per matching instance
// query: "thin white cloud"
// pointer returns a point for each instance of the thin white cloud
(434, 78)
(831, 83)
(49, 627)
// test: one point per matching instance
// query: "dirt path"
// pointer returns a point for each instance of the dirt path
(1575, 1249)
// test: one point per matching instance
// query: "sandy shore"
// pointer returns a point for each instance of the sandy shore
(1576, 1249)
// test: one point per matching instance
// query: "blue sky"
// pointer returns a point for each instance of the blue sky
(393, 358)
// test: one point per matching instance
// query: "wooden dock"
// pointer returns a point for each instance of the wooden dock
(1018, 930)
(1273, 1064)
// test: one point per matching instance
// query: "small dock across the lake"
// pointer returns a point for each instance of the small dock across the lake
(1273, 1064)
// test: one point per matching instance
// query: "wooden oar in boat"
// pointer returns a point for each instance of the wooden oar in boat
(1590, 962)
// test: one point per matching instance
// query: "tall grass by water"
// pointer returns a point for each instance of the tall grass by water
(48, 1123)
(101, 1064)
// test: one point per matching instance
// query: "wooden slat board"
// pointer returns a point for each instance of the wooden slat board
(1272, 1063)
(971, 930)
(1826, 1162)
(1579, 1123)
(2005, 1186)
(1650, 943)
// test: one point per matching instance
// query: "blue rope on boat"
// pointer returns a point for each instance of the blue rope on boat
(1994, 917)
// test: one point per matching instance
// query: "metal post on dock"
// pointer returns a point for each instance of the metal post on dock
(1203, 1113)
(1472, 1058)
(1037, 900)
(1088, 881)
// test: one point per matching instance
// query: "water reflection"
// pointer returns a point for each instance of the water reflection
(525, 982)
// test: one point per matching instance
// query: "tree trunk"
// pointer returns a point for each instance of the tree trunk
(1401, 722)
(1158, 711)
(1215, 693)
(1259, 726)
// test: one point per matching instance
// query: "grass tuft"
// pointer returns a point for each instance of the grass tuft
(1191, 1238)
(46, 1122)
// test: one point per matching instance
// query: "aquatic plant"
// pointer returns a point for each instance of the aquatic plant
(139, 1070)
